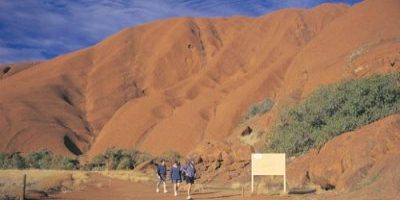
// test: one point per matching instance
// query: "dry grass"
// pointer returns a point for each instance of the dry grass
(132, 176)
(42, 180)
(252, 139)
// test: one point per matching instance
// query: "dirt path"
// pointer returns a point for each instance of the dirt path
(103, 188)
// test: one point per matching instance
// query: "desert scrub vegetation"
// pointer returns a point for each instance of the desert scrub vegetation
(47, 181)
(170, 156)
(132, 176)
(12, 161)
(335, 109)
(112, 159)
(47, 160)
(117, 159)
(37, 160)
(259, 108)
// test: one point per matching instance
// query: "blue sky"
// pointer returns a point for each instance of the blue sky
(42, 29)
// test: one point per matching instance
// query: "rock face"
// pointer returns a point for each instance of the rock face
(246, 131)
(222, 161)
(360, 163)
(8, 70)
(153, 86)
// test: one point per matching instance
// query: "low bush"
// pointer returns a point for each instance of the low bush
(12, 161)
(112, 159)
(64, 163)
(97, 163)
(17, 161)
(47, 160)
(335, 109)
(3, 160)
(37, 160)
(117, 159)
(40, 159)
(259, 109)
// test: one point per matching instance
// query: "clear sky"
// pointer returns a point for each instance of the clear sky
(42, 29)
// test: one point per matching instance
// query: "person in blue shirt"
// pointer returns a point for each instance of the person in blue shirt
(176, 176)
(161, 174)
(190, 172)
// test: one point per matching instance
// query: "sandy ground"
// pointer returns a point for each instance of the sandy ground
(40, 180)
(100, 187)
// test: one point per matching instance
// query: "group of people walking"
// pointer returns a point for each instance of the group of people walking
(178, 174)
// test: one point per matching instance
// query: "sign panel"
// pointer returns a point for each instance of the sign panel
(268, 164)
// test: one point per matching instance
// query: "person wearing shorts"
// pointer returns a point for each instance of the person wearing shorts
(161, 174)
(176, 176)
(190, 172)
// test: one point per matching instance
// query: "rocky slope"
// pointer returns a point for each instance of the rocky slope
(176, 83)
(363, 163)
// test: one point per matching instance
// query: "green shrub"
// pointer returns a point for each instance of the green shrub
(40, 159)
(112, 159)
(335, 109)
(259, 108)
(64, 163)
(47, 160)
(137, 157)
(142, 157)
(17, 161)
(117, 159)
(125, 163)
(97, 163)
(3, 160)
(12, 161)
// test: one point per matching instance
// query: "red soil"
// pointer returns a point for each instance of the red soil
(103, 188)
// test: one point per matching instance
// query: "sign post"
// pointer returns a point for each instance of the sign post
(268, 164)
(22, 196)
